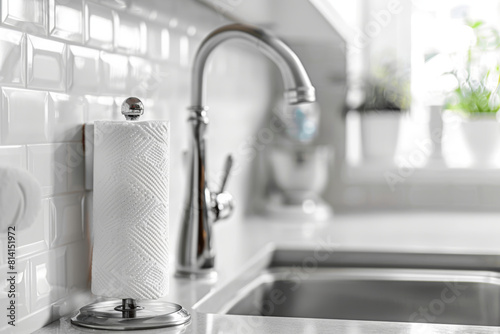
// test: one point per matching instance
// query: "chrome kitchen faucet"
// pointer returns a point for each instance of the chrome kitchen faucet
(195, 257)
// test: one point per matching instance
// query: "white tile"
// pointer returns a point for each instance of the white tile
(66, 20)
(66, 117)
(114, 72)
(184, 51)
(117, 4)
(165, 44)
(46, 64)
(117, 114)
(35, 239)
(66, 219)
(12, 57)
(157, 108)
(145, 9)
(47, 162)
(14, 156)
(22, 288)
(34, 321)
(23, 116)
(130, 34)
(169, 86)
(76, 167)
(83, 70)
(98, 26)
(29, 15)
(99, 108)
(154, 40)
(174, 49)
(142, 80)
(48, 278)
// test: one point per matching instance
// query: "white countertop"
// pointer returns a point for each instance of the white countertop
(236, 243)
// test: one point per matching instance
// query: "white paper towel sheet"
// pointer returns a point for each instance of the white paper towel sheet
(130, 254)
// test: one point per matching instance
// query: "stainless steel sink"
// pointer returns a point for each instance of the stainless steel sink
(402, 287)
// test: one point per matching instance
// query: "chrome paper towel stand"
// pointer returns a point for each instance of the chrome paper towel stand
(128, 314)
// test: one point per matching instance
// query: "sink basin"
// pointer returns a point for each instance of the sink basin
(401, 287)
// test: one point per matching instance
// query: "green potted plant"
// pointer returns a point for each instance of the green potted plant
(386, 96)
(471, 109)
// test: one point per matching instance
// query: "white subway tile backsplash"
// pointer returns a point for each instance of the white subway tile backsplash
(114, 72)
(130, 34)
(48, 278)
(168, 88)
(47, 162)
(154, 41)
(184, 51)
(116, 4)
(83, 70)
(23, 284)
(23, 294)
(28, 15)
(88, 205)
(99, 108)
(144, 9)
(174, 48)
(14, 156)
(4, 299)
(117, 115)
(46, 64)
(66, 219)
(12, 57)
(165, 44)
(36, 238)
(23, 116)
(66, 116)
(99, 27)
(142, 80)
(66, 20)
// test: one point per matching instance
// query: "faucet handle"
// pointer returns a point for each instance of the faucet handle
(227, 170)
(222, 202)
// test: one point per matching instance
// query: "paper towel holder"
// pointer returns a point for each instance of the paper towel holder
(128, 314)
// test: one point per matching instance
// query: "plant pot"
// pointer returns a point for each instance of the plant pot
(471, 141)
(379, 135)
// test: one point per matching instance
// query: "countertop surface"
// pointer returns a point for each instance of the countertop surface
(237, 242)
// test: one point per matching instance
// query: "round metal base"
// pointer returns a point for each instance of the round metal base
(153, 314)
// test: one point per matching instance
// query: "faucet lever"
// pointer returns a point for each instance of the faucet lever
(222, 202)
(227, 171)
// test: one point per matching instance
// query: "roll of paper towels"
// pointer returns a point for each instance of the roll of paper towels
(130, 254)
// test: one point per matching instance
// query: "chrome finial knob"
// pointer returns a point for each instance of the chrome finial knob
(132, 108)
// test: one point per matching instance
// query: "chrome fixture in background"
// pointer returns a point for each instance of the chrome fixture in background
(195, 257)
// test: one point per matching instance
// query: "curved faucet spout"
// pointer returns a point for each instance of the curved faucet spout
(297, 84)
